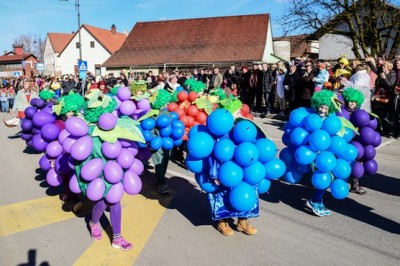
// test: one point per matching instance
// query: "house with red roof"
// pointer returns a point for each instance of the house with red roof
(97, 46)
(200, 42)
(55, 43)
(17, 63)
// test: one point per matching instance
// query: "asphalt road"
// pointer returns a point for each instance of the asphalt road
(177, 229)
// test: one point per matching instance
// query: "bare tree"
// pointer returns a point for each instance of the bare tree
(32, 44)
(372, 25)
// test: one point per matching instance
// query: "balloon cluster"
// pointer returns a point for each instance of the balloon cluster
(39, 119)
(128, 107)
(170, 131)
(365, 143)
(320, 144)
(244, 156)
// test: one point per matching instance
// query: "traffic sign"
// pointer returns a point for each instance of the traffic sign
(16, 74)
(82, 66)
(82, 75)
(39, 66)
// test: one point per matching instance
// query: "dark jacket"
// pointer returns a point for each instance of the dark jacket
(267, 81)
(291, 81)
(67, 86)
(306, 86)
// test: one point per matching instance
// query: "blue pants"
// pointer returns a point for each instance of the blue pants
(4, 106)
(318, 195)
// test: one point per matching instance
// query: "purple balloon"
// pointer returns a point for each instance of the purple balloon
(107, 121)
(71, 163)
(33, 101)
(42, 118)
(111, 150)
(132, 183)
(377, 139)
(50, 132)
(44, 163)
(118, 104)
(144, 154)
(124, 93)
(53, 179)
(357, 170)
(92, 169)
(113, 172)
(36, 131)
(82, 148)
(344, 113)
(74, 185)
(373, 123)
(144, 105)
(360, 149)
(370, 167)
(27, 125)
(76, 126)
(360, 118)
(26, 136)
(367, 135)
(137, 167)
(54, 149)
(96, 189)
(127, 107)
(63, 135)
(38, 143)
(369, 153)
(125, 143)
(68, 142)
(40, 103)
(62, 166)
(126, 158)
(29, 112)
(115, 193)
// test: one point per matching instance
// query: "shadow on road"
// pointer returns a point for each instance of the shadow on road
(382, 183)
(32, 259)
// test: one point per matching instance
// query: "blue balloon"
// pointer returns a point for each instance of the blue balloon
(263, 186)
(224, 150)
(266, 149)
(349, 153)
(141, 145)
(200, 145)
(342, 169)
(254, 173)
(274, 169)
(287, 155)
(321, 180)
(338, 144)
(288, 127)
(156, 143)
(325, 161)
(286, 140)
(297, 116)
(166, 131)
(177, 123)
(246, 154)
(178, 142)
(348, 134)
(292, 176)
(301, 168)
(244, 131)
(199, 128)
(320, 140)
(339, 189)
(208, 186)
(332, 125)
(304, 155)
(177, 133)
(163, 121)
(148, 136)
(243, 197)
(220, 122)
(299, 136)
(148, 124)
(312, 122)
(193, 164)
(168, 143)
(230, 174)
(174, 116)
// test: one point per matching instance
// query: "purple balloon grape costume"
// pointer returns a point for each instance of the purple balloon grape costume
(367, 140)
(318, 140)
(233, 162)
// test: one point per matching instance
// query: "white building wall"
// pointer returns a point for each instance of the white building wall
(332, 46)
(49, 59)
(269, 47)
(70, 56)
(282, 49)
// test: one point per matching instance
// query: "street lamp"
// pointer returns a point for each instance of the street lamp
(79, 27)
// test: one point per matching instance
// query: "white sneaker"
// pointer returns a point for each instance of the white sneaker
(16, 122)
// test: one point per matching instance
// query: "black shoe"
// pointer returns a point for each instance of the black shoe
(358, 190)
(163, 189)
(262, 115)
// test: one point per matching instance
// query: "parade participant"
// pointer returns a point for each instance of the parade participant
(343, 70)
(353, 100)
(56, 86)
(11, 94)
(321, 77)
(4, 96)
(21, 102)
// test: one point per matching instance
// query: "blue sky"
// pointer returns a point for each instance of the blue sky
(23, 17)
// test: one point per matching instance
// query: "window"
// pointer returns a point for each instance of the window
(13, 66)
(92, 44)
(77, 45)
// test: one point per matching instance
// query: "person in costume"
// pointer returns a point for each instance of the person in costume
(342, 70)
(56, 86)
(323, 103)
(353, 100)
(22, 101)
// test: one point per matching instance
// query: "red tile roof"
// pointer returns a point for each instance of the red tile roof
(12, 57)
(203, 40)
(59, 40)
(298, 44)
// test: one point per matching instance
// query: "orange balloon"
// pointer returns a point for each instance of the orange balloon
(184, 119)
(180, 112)
(182, 96)
(201, 117)
(172, 107)
(192, 96)
(190, 121)
(185, 137)
(249, 116)
(245, 109)
(192, 110)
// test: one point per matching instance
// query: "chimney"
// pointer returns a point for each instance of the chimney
(18, 49)
(113, 29)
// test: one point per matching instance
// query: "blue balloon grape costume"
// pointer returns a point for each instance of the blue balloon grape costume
(318, 141)
(233, 162)
(365, 142)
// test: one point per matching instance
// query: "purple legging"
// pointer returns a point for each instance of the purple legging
(115, 214)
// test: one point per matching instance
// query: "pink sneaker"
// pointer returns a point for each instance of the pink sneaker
(121, 243)
(95, 230)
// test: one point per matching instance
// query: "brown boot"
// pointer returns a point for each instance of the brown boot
(244, 226)
(224, 228)
(356, 188)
